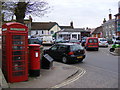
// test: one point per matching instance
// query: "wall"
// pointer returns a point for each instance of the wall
(55, 29)
(45, 32)
(109, 29)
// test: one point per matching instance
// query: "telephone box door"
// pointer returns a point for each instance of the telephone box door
(19, 57)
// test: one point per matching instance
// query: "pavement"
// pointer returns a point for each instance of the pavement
(3, 83)
(116, 52)
(48, 78)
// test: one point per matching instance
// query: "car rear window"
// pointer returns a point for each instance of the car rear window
(34, 41)
(92, 40)
(75, 47)
(103, 40)
(95, 40)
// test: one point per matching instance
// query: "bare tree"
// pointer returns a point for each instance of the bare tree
(22, 9)
(0, 13)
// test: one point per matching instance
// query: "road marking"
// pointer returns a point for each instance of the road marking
(72, 79)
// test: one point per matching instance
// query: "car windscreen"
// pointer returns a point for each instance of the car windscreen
(76, 47)
(118, 38)
(74, 40)
(103, 40)
(34, 41)
(84, 39)
(58, 40)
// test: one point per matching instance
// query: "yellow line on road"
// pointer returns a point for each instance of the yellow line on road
(71, 80)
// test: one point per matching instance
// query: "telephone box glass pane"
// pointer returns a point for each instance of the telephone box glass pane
(18, 68)
(18, 47)
(18, 52)
(18, 73)
(21, 37)
(18, 43)
(18, 63)
(15, 58)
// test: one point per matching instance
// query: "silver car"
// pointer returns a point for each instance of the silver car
(103, 42)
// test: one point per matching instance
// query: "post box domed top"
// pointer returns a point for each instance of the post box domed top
(34, 45)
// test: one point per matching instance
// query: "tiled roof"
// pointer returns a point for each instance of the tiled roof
(98, 30)
(42, 25)
(66, 27)
(74, 30)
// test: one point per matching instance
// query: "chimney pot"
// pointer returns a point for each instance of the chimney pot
(110, 16)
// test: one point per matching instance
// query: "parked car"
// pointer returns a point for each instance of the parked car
(109, 41)
(66, 52)
(60, 41)
(103, 42)
(74, 41)
(83, 41)
(34, 41)
(47, 40)
(92, 43)
(116, 44)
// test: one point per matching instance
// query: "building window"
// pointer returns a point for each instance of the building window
(74, 36)
(42, 32)
(52, 32)
(36, 32)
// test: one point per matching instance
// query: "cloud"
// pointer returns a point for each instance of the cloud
(84, 13)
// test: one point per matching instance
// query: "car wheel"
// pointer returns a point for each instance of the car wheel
(64, 60)
(112, 49)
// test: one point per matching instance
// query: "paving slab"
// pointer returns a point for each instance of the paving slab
(48, 78)
(3, 83)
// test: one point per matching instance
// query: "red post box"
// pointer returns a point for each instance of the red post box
(34, 60)
(15, 52)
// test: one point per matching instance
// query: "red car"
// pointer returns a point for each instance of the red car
(92, 43)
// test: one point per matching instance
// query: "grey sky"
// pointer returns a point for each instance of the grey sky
(83, 13)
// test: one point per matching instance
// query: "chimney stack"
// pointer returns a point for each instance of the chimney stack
(30, 18)
(110, 16)
(71, 24)
(119, 7)
(104, 20)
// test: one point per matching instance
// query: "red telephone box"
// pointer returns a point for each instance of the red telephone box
(15, 52)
